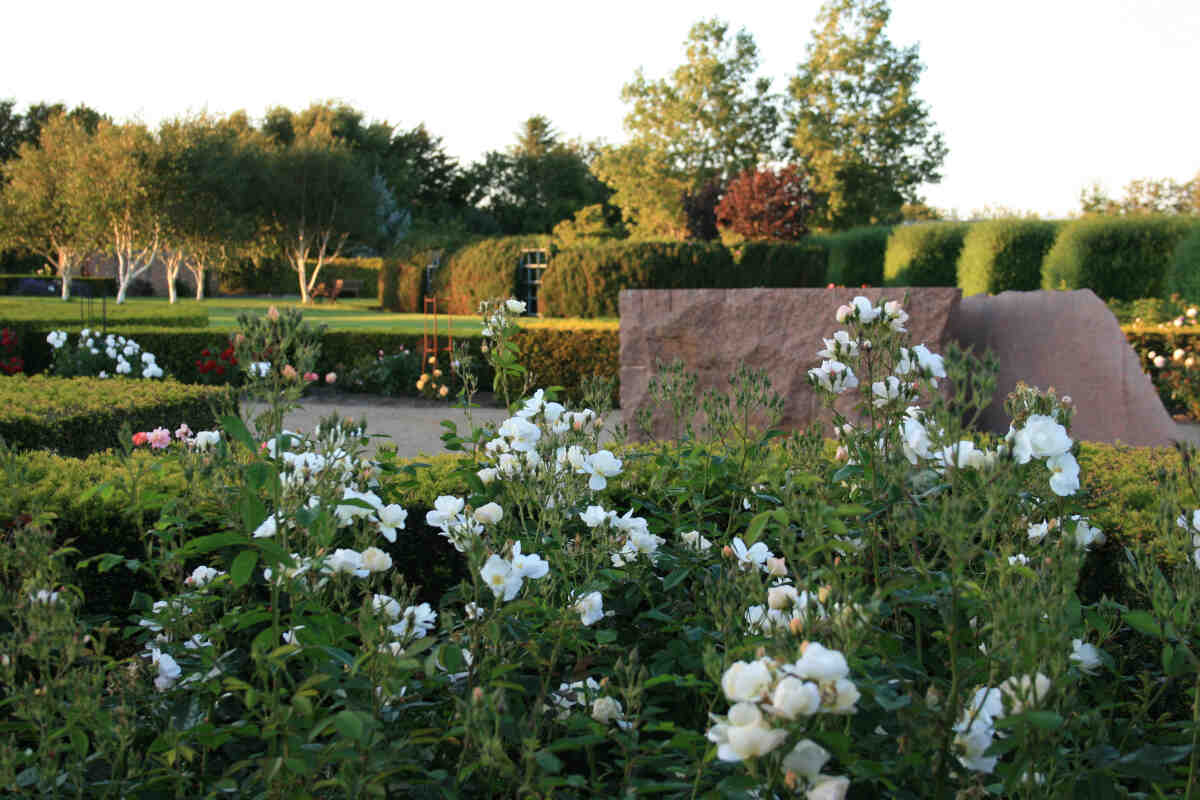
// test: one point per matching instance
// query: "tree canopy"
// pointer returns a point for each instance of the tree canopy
(865, 138)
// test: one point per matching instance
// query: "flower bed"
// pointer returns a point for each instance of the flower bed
(923, 612)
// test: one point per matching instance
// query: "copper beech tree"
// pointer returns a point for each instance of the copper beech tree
(765, 204)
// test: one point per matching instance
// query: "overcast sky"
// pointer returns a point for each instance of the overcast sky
(1036, 99)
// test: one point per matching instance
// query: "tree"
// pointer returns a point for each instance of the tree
(1145, 196)
(865, 138)
(118, 198)
(38, 208)
(764, 204)
(711, 120)
(700, 211)
(319, 196)
(208, 172)
(539, 182)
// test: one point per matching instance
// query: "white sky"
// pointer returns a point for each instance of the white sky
(1035, 98)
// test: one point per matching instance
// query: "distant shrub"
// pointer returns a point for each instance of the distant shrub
(777, 264)
(400, 287)
(1005, 254)
(1121, 258)
(485, 269)
(587, 281)
(80, 416)
(359, 269)
(924, 254)
(856, 256)
(1183, 274)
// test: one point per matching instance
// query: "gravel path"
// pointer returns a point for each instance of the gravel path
(415, 425)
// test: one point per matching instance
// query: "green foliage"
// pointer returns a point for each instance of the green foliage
(80, 416)
(859, 128)
(90, 518)
(362, 269)
(400, 285)
(1183, 274)
(1116, 257)
(594, 224)
(924, 255)
(480, 271)
(856, 256)
(587, 281)
(1005, 254)
(711, 119)
(568, 358)
(781, 264)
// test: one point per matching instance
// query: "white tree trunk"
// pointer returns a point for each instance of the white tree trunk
(64, 268)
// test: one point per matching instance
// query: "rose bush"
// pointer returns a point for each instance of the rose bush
(738, 613)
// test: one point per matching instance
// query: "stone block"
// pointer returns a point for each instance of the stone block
(1071, 341)
(778, 330)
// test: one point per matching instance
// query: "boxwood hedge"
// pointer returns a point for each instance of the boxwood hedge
(1005, 254)
(924, 255)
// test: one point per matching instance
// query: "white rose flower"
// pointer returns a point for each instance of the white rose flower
(515, 306)
(594, 516)
(416, 621)
(522, 434)
(807, 758)
(1026, 691)
(694, 541)
(600, 466)
(344, 561)
(1064, 474)
(607, 709)
(489, 514)
(747, 734)
(501, 578)
(487, 475)
(528, 565)
(445, 509)
(866, 311)
(590, 607)
(385, 604)
(829, 787)
(1086, 655)
(754, 556)
(202, 576)
(1087, 535)
(1041, 437)
(820, 664)
(795, 698)
(746, 681)
(392, 517)
(375, 560)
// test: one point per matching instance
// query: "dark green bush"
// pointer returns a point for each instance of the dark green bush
(481, 271)
(856, 256)
(1005, 254)
(587, 281)
(268, 276)
(400, 287)
(1122, 258)
(924, 254)
(80, 286)
(774, 264)
(565, 357)
(81, 416)
(1183, 274)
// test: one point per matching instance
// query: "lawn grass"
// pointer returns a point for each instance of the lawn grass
(346, 314)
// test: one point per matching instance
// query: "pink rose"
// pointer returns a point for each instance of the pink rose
(331, 377)
(139, 439)
(311, 376)
(159, 438)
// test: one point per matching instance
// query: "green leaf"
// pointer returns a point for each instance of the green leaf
(675, 578)
(1143, 622)
(606, 636)
(548, 761)
(243, 565)
(349, 725)
(755, 529)
(236, 429)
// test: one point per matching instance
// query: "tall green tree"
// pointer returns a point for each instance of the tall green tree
(209, 173)
(1145, 196)
(318, 197)
(867, 141)
(539, 182)
(118, 198)
(39, 209)
(712, 119)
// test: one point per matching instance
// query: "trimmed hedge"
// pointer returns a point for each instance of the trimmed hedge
(481, 271)
(1183, 274)
(400, 287)
(924, 255)
(366, 270)
(80, 286)
(587, 281)
(1121, 258)
(565, 357)
(774, 264)
(856, 256)
(1005, 254)
(81, 416)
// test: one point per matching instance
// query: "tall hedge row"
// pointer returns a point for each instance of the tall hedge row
(1119, 258)
(1005, 254)
(1183, 275)
(799, 265)
(924, 255)
(481, 271)
(400, 287)
(360, 269)
(856, 256)
(587, 281)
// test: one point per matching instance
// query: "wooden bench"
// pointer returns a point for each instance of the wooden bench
(342, 286)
